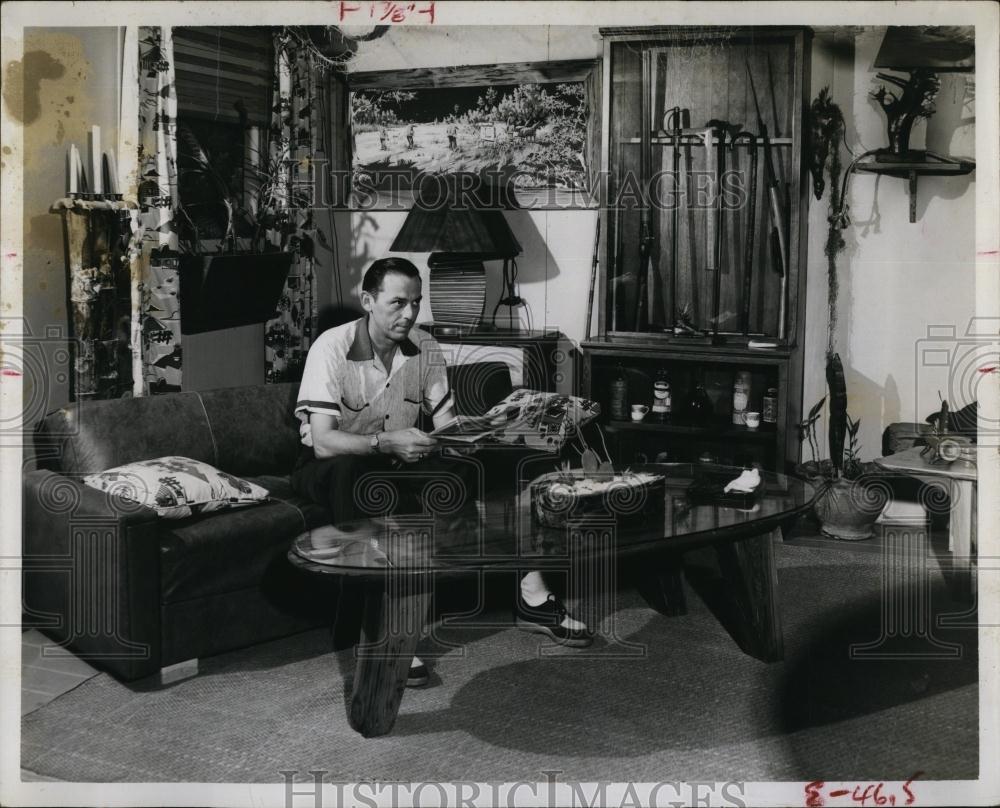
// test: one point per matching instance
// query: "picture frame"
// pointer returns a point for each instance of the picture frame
(534, 127)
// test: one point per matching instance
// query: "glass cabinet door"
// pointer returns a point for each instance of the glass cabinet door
(692, 252)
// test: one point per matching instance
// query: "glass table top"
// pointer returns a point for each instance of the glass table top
(656, 508)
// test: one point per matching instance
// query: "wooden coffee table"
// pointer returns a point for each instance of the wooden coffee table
(396, 559)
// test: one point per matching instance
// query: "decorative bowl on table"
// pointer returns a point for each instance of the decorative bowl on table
(628, 496)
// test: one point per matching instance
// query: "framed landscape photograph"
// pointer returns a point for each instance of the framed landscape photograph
(529, 126)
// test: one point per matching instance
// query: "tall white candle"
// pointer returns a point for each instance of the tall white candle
(112, 172)
(71, 170)
(95, 159)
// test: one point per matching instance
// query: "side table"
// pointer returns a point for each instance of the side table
(959, 481)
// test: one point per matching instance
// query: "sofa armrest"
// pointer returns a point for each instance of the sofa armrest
(92, 573)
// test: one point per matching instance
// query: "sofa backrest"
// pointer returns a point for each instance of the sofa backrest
(242, 430)
(255, 428)
(92, 436)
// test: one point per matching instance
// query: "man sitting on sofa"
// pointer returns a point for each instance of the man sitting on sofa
(363, 386)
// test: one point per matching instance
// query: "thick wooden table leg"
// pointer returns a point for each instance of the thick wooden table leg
(662, 587)
(751, 577)
(394, 615)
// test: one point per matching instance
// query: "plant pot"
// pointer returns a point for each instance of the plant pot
(230, 290)
(847, 509)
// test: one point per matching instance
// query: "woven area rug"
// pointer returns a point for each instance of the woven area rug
(654, 699)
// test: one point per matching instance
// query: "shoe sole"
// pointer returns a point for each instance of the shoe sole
(535, 628)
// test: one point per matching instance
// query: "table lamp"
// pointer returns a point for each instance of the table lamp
(458, 219)
(922, 51)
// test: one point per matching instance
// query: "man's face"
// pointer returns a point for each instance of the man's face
(394, 309)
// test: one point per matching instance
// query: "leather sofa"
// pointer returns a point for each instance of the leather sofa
(133, 593)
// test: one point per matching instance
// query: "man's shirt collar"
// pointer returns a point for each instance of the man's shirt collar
(361, 349)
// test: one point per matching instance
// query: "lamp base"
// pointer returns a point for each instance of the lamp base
(457, 291)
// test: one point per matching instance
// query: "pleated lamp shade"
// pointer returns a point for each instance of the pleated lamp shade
(461, 223)
(942, 48)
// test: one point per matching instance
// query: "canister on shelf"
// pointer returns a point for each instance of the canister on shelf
(619, 396)
(741, 397)
(661, 396)
(769, 409)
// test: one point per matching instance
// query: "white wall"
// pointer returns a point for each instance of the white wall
(896, 278)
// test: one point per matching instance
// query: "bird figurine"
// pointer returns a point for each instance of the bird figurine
(746, 483)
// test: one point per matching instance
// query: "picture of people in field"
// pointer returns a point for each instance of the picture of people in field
(536, 131)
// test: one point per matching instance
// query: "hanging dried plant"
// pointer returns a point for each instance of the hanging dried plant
(826, 127)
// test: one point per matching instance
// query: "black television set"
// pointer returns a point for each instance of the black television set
(228, 291)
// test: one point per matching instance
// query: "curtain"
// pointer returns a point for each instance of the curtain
(128, 178)
(292, 145)
(157, 198)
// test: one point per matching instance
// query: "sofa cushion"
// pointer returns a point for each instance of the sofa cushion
(92, 436)
(228, 550)
(254, 428)
(177, 487)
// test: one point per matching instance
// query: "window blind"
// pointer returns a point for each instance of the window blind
(216, 67)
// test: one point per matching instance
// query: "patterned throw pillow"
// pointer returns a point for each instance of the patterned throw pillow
(176, 487)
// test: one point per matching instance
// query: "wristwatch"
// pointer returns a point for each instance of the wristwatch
(373, 443)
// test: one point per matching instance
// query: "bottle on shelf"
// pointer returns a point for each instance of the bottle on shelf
(699, 405)
(741, 397)
(769, 410)
(662, 405)
(619, 396)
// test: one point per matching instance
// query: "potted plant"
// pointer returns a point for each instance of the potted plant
(850, 499)
(231, 273)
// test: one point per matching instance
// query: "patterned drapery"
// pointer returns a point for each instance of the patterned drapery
(292, 145)
(157, 197)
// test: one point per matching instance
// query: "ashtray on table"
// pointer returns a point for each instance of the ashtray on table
(560, 496)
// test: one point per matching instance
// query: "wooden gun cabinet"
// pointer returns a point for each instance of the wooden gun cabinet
(702, 266)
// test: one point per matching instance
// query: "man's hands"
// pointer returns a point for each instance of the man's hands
(409, 445)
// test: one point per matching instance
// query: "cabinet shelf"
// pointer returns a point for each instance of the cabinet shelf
(693, 140)
(641, 344)
(716, 432)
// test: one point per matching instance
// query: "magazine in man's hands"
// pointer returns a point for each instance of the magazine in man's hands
(526, 417)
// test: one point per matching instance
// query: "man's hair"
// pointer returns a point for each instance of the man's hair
(376, 273)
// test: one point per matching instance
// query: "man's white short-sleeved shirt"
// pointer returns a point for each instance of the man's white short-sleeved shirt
(344, 377)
